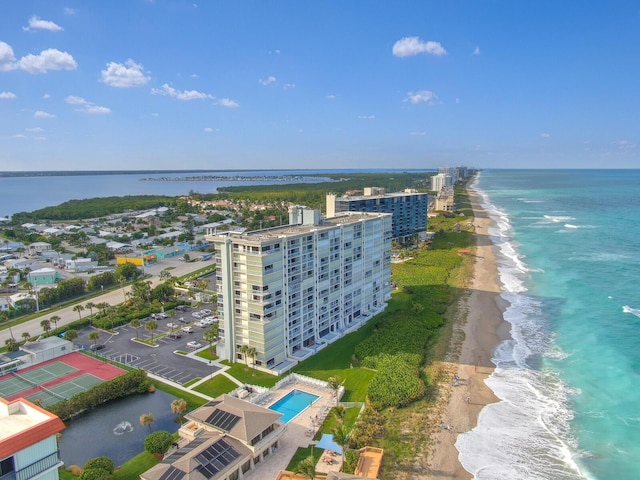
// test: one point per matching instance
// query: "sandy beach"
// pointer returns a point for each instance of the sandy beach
(479, 328)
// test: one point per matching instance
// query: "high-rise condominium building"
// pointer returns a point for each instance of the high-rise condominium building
(289, 291)
(408, 208)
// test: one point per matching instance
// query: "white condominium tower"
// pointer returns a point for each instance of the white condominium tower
(289, 291)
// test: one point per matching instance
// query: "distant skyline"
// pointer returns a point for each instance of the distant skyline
(170, 84)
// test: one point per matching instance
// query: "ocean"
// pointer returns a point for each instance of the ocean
(568, 253)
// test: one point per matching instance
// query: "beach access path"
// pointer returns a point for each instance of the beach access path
(482, 323)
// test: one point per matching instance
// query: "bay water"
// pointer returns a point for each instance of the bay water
(568, 251)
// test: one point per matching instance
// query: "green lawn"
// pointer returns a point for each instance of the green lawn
(128, 471)
(250, 376)
(303, 453)
(216, 386)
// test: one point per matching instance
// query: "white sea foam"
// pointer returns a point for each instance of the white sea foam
(526, 435)
(633, 311)
(558, 218)
(569, 225)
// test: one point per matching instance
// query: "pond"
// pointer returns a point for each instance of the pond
(114, 430)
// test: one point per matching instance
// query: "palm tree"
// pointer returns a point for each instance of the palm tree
(4, 316)
(90, 306)
(146, 420)
(179, 406)
(341, 437)
(211, 335)
(55, 319)
(334, 384)
(339, 412)
(244, 351)
(165, 275)
(136, 323)
(151, 325)
(78, 308)
(11, 344)
(26, 336)
(307, 467)
(94, 336)
(253, 353)
(46, 326)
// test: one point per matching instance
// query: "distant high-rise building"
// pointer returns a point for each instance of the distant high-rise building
(289, 291)
(408, 208)
(440, 181)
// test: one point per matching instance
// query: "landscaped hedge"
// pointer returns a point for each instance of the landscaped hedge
(135, 381)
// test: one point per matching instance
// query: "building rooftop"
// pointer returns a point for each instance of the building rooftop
(294, 230)
(23, 424)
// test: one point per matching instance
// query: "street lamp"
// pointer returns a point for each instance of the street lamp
(210, 369)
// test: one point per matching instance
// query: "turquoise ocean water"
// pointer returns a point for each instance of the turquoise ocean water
(568, 246)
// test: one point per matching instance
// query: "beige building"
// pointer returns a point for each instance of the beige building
(225, 439)
(289, 291)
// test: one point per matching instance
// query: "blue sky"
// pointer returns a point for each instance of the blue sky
(171, 84)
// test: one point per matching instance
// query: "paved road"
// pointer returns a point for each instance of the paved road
(113, 297)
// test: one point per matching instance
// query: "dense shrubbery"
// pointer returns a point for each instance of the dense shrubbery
(397, 382)
(158, 442)
(135, 381)
(367, 429)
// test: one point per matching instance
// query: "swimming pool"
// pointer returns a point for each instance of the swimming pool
(293, 404)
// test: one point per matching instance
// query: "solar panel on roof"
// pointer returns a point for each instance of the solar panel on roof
(172, 473)
(223, 420)
(216, 458)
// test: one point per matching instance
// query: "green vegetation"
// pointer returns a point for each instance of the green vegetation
(94, 208)
(132, 382)
(193, 401)
(158, 442)
(247, 375)
(215, 387)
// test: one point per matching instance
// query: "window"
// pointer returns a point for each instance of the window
(7, 466)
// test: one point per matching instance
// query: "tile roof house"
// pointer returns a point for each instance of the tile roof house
(225, 439)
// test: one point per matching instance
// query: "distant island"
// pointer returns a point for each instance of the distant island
(66, 173)
(228, 178)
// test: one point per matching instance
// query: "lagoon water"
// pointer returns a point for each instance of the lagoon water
(114, 429)
(569, 258)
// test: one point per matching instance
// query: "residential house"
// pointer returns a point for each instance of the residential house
(28, 444)
(36, 248)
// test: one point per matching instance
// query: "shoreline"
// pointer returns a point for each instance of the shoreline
(480, 322)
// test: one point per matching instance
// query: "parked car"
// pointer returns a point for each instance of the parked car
(196, 314)
(211, 320)
(187, 329)
(182, 320)
(174, 335)
(173, 325)
(201, 323)
(97, 346)
(206, 311)
(194, 344)
(182, 308)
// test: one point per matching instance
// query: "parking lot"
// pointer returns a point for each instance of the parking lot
(160, 360)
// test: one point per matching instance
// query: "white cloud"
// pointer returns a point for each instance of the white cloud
(73, 100)
(367, 117)
(46, 96)
(476, 51)
(168, 91)
(331, 97)
(34, 129)
(19, 136)
(226, 102)
(208, 129)
(40, 138)
(50, 59)
(124, 75)
(267, 81)
(289, 86)
(422, 96)
(36, 23)
(7, 96)
(41, 114)
(87, 107)
(409, 46)
(419, 134)
(625, 144)
(545, 135)
(70, 11)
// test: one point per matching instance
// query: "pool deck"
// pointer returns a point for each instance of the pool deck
(299, 432)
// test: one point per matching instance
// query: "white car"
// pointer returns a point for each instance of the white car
(201, 323)
(211, 319)
(172, 325)
(194, 344)
(197, 314)
(187, 329)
